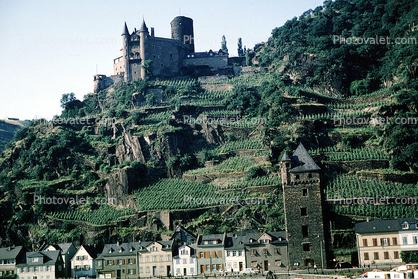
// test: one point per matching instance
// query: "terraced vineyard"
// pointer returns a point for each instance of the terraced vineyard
(258, 181)
(238, 145)
(350, 154)
(172, 194)
(349, 186)
(105, 215)
(234, 164)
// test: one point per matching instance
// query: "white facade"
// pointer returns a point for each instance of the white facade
(185, 263)
(408, 238)
(82, 264)
(39, 272)
(235, 260)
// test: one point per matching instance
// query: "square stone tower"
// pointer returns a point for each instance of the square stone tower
(302, 200)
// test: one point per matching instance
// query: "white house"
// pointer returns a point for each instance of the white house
(41, 265)
(186, 261)
(83, 262)
(235, 252)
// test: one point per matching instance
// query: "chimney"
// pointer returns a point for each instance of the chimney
(117, 243)
(152, 31)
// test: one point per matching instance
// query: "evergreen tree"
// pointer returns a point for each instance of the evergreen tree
(223, 44)
(240, 51)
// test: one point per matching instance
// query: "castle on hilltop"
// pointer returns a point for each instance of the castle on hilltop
(143, 54)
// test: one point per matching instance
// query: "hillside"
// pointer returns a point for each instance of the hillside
(8, 128)
(140, 150)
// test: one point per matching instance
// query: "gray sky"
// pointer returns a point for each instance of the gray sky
(52, 47)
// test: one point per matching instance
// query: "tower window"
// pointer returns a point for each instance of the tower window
(297, 177)
(305, 192)
(310, 175)
(303, 211)
(287, 165)
(306, 247)
(305, 231)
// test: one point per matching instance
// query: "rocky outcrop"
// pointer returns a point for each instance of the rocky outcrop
(120, 183)
(129, 149)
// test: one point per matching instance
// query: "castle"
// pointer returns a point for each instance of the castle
(143, 55)
(302, 199)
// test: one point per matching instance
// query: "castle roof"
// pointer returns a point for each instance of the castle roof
(286, 156)
(144, 27)
(125, 30)
(303, 160)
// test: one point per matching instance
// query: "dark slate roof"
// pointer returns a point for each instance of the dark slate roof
(181, 236)
(50, 258)
(91, 250)
(10, 252)
(125, 30)
(210, 237)
(237, 240)
(385, 225)
(124, 248)
(64, 247)
(285, 156)
(303, 160)
(144, 27)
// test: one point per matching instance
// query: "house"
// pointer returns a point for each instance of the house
(9, 257)
(119, 260)
(156, 259)
(83, 263)
(41, 265)
(380, 242)
(235, 252)
(266, 251)
(67, 252)
(185, 263)
(403, 271)
(210, 253)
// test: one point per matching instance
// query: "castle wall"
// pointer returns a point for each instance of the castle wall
(214, 62)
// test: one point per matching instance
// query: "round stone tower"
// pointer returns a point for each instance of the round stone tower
(182, 30)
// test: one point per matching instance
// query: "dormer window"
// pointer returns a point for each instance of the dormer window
(121, 250)
(132, 249)
(206, 242)
(110, 251)
(215, 242)
(405, 225)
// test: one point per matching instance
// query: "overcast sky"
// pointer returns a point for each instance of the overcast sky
(52, 47)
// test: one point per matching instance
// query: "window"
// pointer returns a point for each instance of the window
(306, 247)
(394, 241)
(35, 260)
(253, 252)
(141, 270)
(405, 225)
(366, 256)
(228, 253)
(147, 269)
(191, 270)
(162, 268)
(310, 175)
(254, 264)
(154, 258)
(147, 259)
(178, 271)
(46, 268)
(86, 267)
(191, 260)
(278, 262)
(277, 251)
(201, 255)
(239, 253)
(184, 261)
(303, 211)
(386, 255)
(414, 239)
(168, 258)
(234, 253)
(265, 252)
(384, 241)
(305, 231)
(305, 192)
(177, 261)
(376, 255)
(130, 271)
(297, 177)
(396, 255)
(140, 259)
(109, 262)
(130, 261)
(161, 258)
(374, 241)
(365, 242)
(119, 261)
(404, 240)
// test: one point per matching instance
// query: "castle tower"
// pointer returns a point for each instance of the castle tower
(182, 30)
(125, 52)
(302, 200)
(143, 39)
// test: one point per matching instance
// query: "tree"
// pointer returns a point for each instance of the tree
(240, 51)
(67, 99)
(223, 44)
(71, 105)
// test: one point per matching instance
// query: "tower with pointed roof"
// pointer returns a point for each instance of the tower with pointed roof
(143, 38)
(125, 52)
(302, 198)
